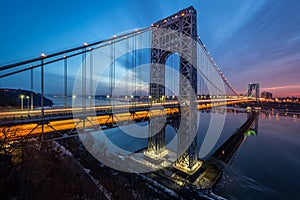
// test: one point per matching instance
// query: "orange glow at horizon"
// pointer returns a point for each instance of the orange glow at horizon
(283, 87)
(286, 90)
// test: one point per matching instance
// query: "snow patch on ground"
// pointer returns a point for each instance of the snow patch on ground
(62, 149)
(87, 170)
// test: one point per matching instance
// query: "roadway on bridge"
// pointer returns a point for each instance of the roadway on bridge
(16, 125)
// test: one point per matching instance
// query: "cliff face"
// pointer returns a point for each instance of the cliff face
(12, 97)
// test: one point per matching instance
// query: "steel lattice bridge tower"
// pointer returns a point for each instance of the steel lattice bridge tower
(165, 43)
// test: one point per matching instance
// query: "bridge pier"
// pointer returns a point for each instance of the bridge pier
(156, 137)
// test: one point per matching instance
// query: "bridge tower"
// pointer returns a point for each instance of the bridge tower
(165, 43)
(253, 88)
(253, 91)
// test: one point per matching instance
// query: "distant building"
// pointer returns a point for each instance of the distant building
(267, 95)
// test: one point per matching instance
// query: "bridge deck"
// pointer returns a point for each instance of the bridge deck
(71, 118)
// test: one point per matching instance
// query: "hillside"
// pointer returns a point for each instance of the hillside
(12, 98)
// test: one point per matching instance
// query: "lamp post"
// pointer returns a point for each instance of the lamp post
(27, 97)
(131, 98)
(150, 100)
(22, 99)
(73, 99)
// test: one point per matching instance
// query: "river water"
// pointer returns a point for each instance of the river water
(266, 166)
(59, 102)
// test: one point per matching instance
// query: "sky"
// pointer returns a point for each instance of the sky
(250, 40)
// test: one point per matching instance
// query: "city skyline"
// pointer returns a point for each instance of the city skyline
(250, 41)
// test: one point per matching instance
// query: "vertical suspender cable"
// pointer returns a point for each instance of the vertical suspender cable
(113, 69)
(91, 78)
(198, 75)
(110, 71)
(150, 62)
(139, 63)
(134, 64)
(66, 81)
(42, 96)
(31, 88)
(203, 92)
(83, 97)
(126, 68)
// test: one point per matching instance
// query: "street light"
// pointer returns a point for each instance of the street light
(27, 97)
(150, 100)
(132, 99)
(22, 99)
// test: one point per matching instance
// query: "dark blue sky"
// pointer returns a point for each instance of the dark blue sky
(251, 40)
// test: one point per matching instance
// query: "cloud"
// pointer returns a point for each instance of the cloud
(266, 48)
(282, 87)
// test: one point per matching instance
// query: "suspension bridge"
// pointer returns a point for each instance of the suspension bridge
(160, 72)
